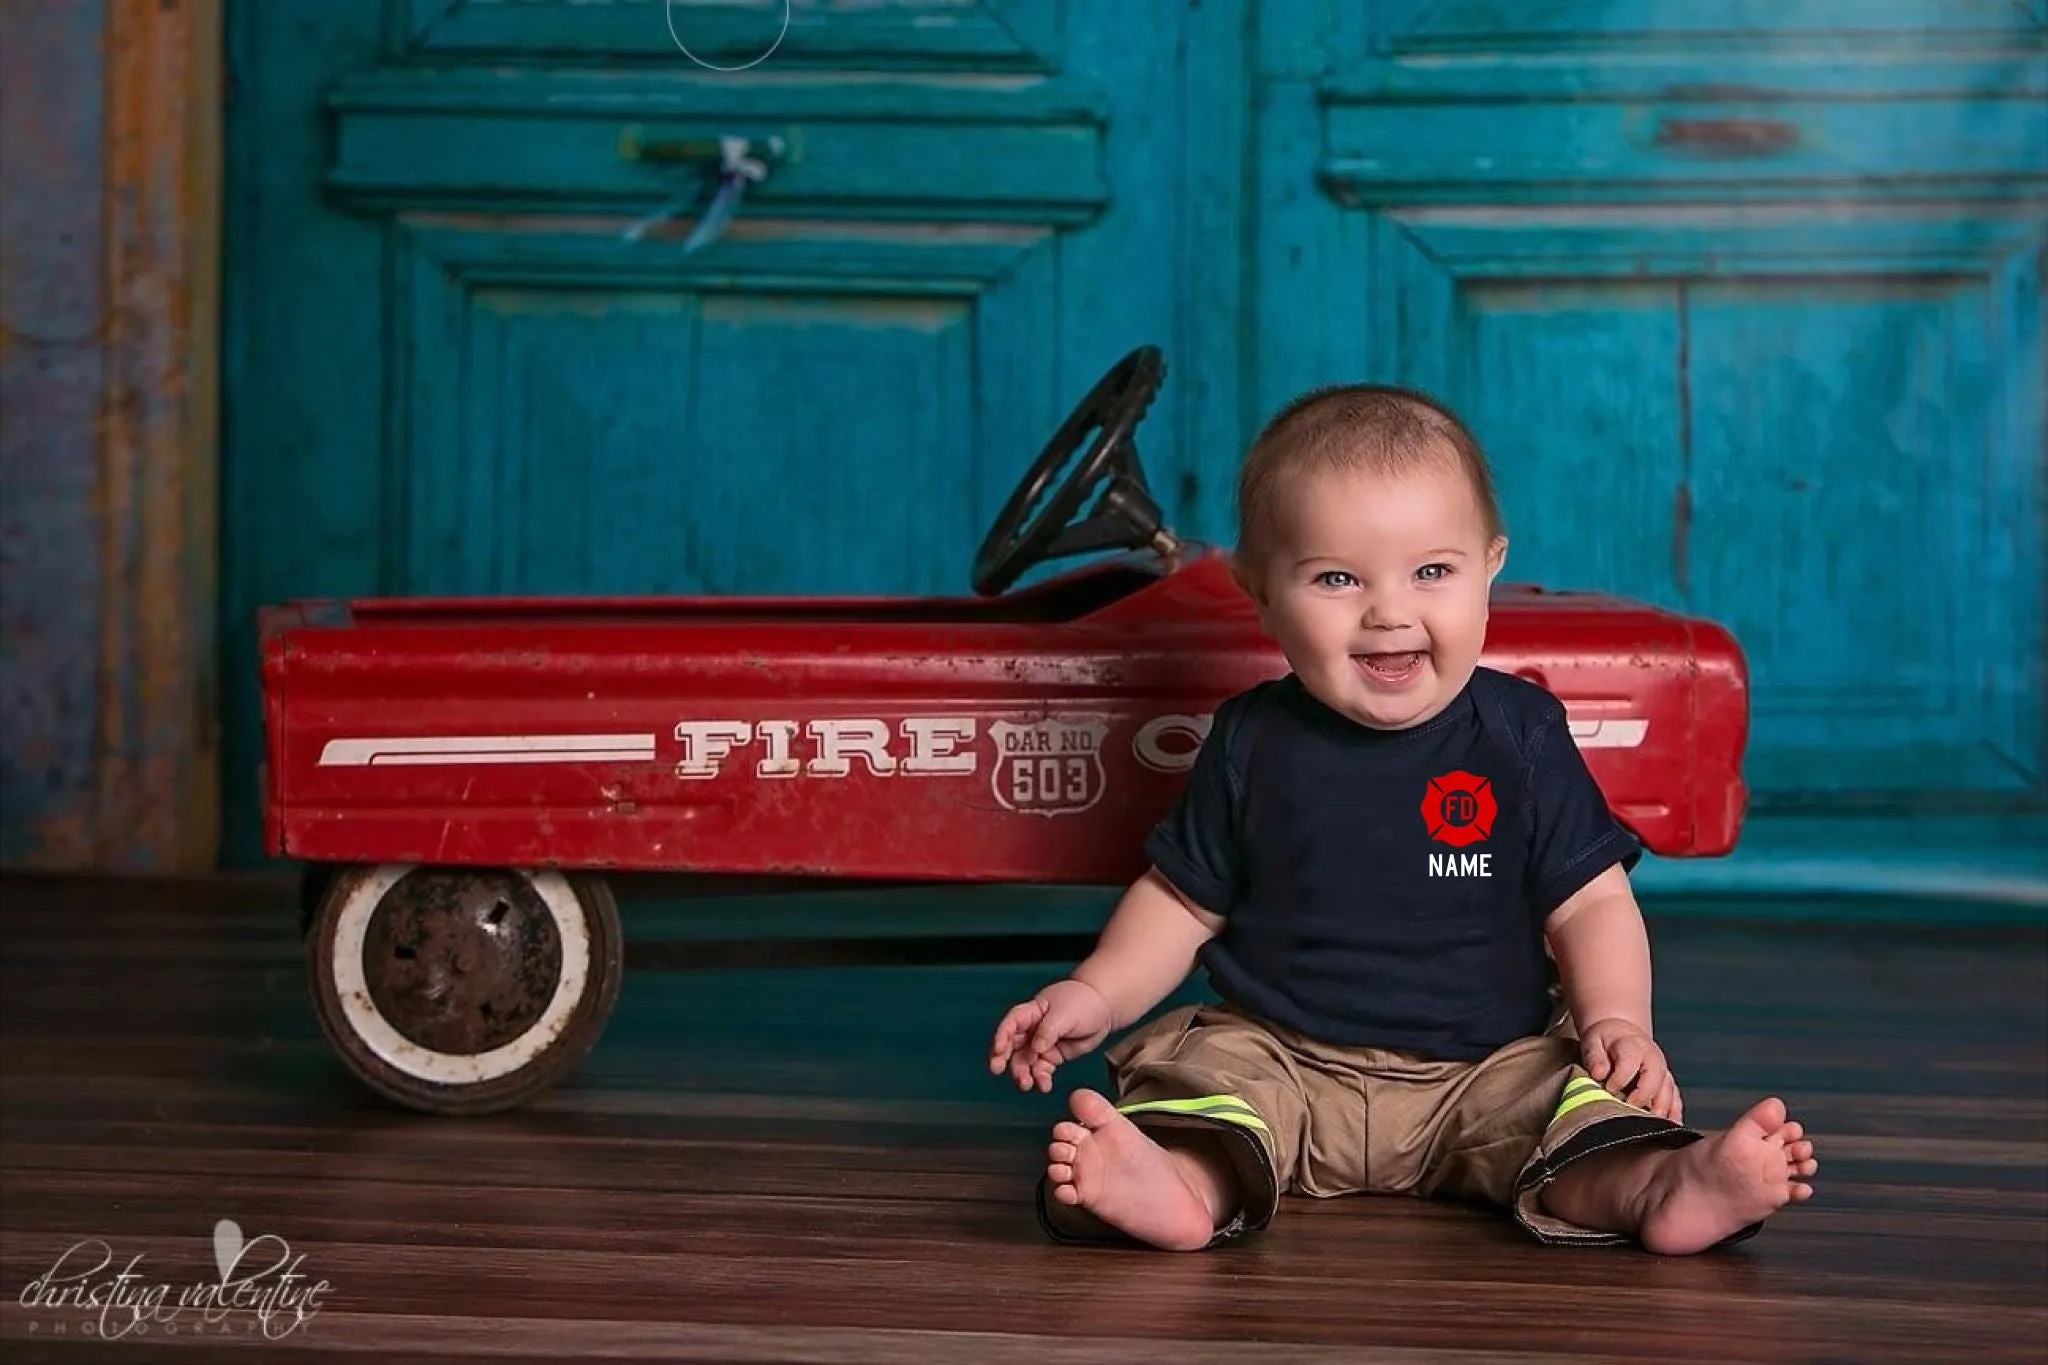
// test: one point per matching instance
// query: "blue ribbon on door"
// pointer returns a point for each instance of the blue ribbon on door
(740, 162)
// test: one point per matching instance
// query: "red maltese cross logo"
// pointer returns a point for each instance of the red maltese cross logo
(1458, 809)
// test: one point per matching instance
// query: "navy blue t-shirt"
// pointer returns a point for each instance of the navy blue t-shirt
(1387, 888)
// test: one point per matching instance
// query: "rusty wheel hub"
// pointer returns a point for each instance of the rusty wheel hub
(462, 962)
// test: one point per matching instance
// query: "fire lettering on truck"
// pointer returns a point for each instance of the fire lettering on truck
(917, 746)
(1168, 744)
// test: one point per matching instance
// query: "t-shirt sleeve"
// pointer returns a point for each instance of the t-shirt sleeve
(1576, 836)
(1196, 846)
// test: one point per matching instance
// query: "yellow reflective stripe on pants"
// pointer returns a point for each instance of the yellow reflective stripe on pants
(1225, 1108)
(1582, 1092)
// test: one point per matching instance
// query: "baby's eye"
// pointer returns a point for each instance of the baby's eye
(1334, 578)
(1433, 573)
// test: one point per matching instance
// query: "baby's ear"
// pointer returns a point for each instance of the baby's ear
(1496, 557)
(1246, 573)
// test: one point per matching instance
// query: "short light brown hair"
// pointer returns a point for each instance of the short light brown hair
(1369, 427)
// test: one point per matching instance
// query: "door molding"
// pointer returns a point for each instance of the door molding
(926, 149)
(1770, 128)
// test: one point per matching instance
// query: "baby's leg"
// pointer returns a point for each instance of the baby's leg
(1527, 1127)
(1682, 1200)
(1173, 1193)
(1202, 1137)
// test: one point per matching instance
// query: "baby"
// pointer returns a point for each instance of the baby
(1383, 1027)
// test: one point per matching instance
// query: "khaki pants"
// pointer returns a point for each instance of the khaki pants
(1301, 1116)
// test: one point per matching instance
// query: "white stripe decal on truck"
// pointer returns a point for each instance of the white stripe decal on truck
(1610, 733)
(440, 750)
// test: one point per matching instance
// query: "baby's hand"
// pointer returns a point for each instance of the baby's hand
(1628, 1062)
(1067, 1019)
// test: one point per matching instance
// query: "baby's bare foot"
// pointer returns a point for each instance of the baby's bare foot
(1723, 1183)
(1104, 1163)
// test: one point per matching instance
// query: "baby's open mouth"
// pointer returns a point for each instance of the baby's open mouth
(1392, 666)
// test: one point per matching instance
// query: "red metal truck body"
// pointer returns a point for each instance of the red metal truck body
(1032, 737)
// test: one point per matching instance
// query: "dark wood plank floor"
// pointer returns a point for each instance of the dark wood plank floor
(810, 1164)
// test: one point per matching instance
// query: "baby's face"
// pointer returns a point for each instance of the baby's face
(1376, 590)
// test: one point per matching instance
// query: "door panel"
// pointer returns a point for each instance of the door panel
(1596, 360)
(1812, 455)
(1849, 436)
(588, 415)
(1812, 420)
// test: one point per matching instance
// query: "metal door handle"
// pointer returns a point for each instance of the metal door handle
(1728, 136)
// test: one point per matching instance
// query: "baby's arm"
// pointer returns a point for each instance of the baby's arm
(1145, 950)
(1603, 960)
(1603, 952)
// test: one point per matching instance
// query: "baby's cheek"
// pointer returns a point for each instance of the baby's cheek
(1314, 630)
(1468, 620)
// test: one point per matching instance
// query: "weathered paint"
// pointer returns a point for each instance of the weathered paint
(111, 191)
(1035, 737)
(51, 360)
(1711, 299)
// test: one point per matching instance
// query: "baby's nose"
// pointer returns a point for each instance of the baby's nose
(1381, 615)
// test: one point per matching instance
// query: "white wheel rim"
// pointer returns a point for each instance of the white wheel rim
(359, 1008)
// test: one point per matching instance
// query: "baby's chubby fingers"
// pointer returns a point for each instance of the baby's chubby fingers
(1651, 1075)
(999, 1047)
(1016, 1026)
(1594, 1054)
(1623, 1060)
(1027, 1064)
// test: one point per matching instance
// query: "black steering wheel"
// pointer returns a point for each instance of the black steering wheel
(1124, 516)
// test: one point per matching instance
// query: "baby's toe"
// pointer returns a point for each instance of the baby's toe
(1764, 1118)
(1059, 1173)
(1091, 1108)
(1059, 1151)
(1068, 1131)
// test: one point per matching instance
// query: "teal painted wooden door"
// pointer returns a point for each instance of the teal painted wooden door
(1748, 312)
(1745, 301)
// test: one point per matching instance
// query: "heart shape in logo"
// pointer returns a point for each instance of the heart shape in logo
(227, 1246)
